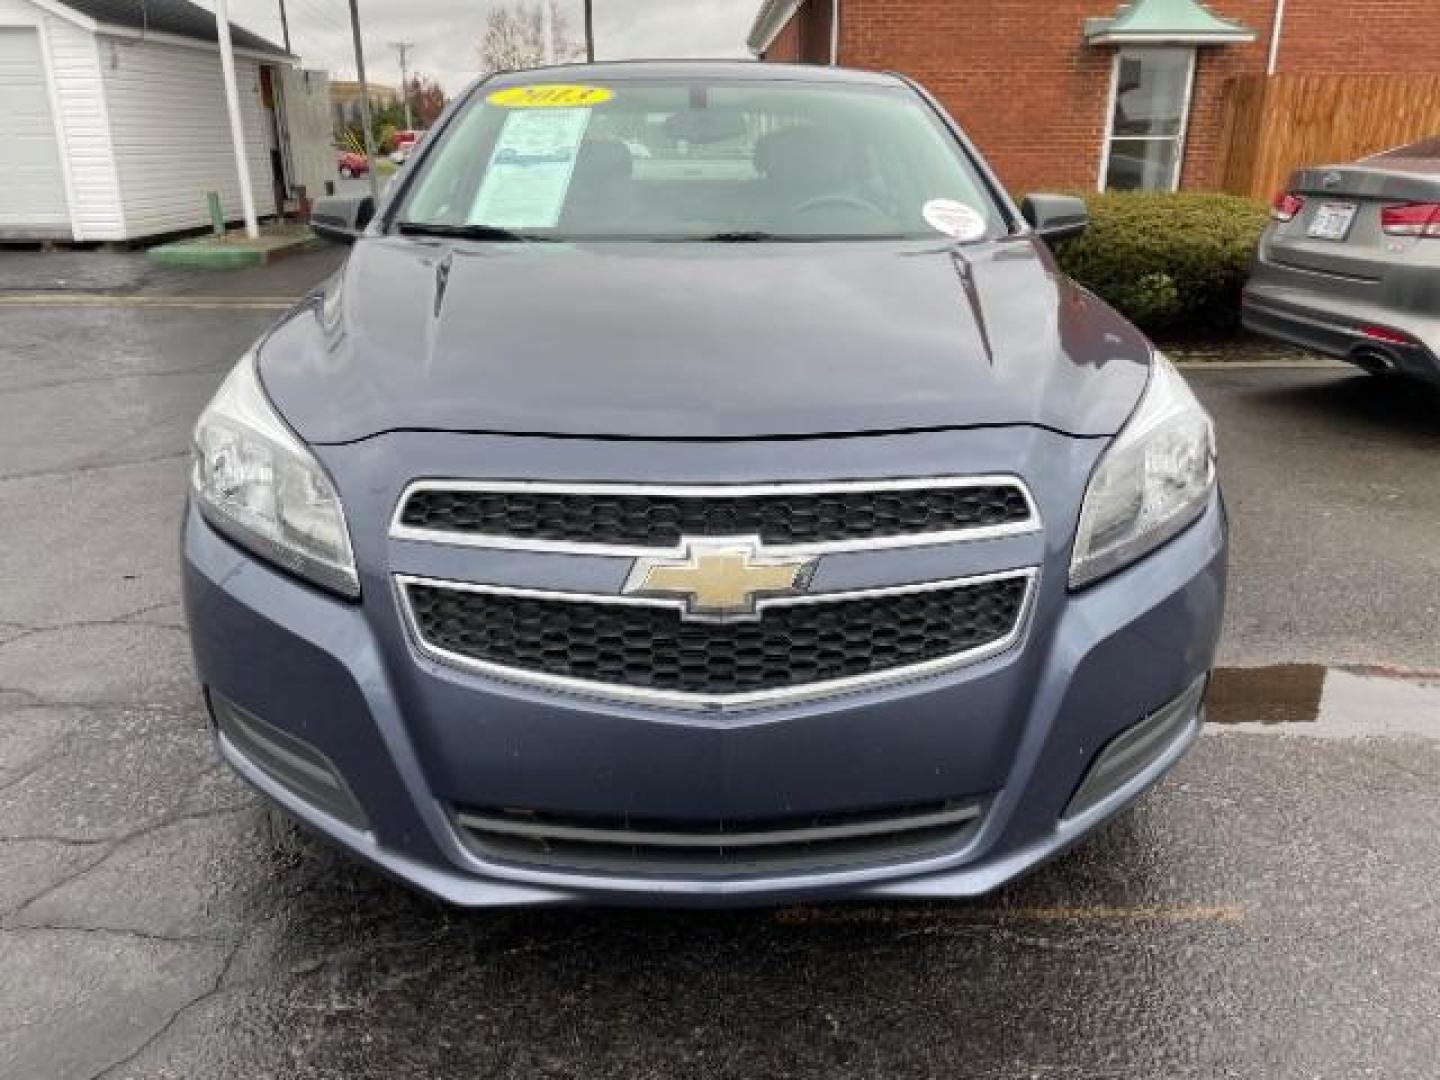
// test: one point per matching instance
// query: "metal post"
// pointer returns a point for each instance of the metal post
(547, 30)
(284, 26)
(589, 31)
(232, 105)
(364, 99)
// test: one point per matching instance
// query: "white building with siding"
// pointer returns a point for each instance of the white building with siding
(116, 120)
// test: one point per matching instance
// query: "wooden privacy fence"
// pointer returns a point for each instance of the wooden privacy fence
(1276, 124)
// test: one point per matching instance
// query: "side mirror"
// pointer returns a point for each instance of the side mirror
(1055, 217)
(341, 218)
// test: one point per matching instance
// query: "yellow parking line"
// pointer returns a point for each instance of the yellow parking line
(1224, 914)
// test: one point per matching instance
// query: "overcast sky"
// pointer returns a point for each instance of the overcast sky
(445, 31)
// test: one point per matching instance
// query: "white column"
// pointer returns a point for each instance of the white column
(237, 128)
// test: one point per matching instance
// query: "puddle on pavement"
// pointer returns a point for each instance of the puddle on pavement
(1325, 702)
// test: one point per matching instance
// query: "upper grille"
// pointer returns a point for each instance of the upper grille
(661, 517)
(645, 650)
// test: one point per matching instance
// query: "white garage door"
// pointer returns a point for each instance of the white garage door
(32, 191)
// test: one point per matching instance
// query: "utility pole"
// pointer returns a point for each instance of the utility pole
(547, 31)
(284, 26)
(232, 106)
(403, 47)
(364, 99)
(589, 31)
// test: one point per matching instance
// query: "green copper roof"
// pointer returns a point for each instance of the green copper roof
(1142, 22)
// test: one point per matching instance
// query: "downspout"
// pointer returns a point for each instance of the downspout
(835, 32)
(1277, 26)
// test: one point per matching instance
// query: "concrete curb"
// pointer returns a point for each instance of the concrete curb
(207, 253)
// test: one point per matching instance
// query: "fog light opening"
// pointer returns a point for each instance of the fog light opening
(290, 761)
(1132, 751)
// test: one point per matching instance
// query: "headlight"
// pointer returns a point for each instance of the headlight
(256, 482)
(1155, 479)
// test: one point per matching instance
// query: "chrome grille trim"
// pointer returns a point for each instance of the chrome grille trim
(401, 531)
(676, 699)
(759, 838)
(716, 851)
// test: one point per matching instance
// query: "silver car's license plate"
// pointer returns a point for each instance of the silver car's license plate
(1332, 221)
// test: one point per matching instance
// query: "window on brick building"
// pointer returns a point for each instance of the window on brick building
(1150, 107)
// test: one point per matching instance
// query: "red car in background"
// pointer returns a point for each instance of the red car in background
(351, 164)
(405, 141)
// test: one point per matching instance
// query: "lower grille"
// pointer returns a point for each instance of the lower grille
(715, 849)
(644, 650)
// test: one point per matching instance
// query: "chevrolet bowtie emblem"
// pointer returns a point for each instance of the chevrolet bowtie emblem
(719, 580)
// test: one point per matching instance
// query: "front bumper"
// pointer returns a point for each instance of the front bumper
(1094, 664)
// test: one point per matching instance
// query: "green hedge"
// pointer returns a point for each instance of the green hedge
(1167, 261)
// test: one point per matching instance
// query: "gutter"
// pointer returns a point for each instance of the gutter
(158, 37)
(769, 21)
(1277, 29)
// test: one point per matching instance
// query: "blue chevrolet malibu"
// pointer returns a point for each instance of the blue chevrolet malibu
(700, 486)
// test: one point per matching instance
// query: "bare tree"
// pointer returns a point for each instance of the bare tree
(515, 37)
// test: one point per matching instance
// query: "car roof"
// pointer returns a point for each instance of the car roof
(709, 70)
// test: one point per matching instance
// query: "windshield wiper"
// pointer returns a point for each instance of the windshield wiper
(757, 236)
(744, 236)
(466, 232)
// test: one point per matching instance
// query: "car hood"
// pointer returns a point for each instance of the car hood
(671, 341)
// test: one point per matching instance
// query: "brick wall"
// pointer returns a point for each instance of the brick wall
(1019, 77)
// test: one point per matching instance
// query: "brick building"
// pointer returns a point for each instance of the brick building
(1075, 94)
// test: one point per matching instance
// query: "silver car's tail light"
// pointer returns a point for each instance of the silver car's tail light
(1412, 219)
(1286, 206)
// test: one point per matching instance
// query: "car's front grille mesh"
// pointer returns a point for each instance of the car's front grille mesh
(653, 648)
(662, 520)
(638, 846)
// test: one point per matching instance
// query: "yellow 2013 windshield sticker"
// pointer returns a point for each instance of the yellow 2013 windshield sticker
(550, 96)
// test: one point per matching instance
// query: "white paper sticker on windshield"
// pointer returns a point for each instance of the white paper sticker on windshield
(954, 219)
(530, 169)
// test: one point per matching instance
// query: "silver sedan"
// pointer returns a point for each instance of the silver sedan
(1350, 263)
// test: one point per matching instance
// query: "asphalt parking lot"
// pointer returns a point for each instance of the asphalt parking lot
(1273, 909)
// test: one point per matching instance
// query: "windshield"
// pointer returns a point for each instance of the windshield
(690, 160)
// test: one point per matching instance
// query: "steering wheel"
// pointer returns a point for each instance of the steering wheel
(839, 198)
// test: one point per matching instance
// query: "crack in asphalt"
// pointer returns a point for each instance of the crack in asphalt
(32, 767)
(86, 380)
(81, 470)
(125, 838)
(117, 931)
(220, 984)
(36, 701)
(216, 986)
(128, 619)
(52, 887)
